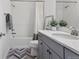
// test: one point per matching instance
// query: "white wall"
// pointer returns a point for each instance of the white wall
(4, 8)
(1, 16)
(50, 8)
(23, 18)
(59, 11)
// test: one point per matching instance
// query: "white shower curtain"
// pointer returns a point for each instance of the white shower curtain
(39, 20)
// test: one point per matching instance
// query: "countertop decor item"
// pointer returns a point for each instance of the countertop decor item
(53, 24)
(63, 26)
(62, 23)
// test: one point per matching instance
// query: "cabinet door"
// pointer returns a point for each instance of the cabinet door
(70, 55)
(45, 52)
(53, 55)
(53, 45)
(40, 49)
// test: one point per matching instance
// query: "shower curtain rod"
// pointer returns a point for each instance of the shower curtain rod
(66, 2)
(26, 1)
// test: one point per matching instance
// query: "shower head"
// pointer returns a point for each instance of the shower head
(67, 6)
(13, 5)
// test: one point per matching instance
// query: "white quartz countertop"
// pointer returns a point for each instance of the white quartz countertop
(70, 44)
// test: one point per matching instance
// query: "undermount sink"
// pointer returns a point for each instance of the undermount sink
(65, 35)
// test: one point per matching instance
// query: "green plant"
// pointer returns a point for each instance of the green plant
(63, 23)
(53, 23)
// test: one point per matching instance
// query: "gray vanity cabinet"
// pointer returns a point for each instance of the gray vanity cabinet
(40, 49)
(70, 55)
(45, 51)
(53, 55)
(50, 49)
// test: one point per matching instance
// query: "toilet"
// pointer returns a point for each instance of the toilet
(34, 48)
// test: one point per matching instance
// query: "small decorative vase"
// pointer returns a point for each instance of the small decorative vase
(54, 28)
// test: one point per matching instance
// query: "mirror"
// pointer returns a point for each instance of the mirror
(68, 10)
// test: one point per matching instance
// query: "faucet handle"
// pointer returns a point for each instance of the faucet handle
(74, 32)
(71, 28)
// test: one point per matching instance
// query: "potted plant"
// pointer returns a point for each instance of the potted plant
(53, 24)
(63, 25)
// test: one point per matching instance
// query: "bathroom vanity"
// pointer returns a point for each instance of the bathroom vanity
(54, 47)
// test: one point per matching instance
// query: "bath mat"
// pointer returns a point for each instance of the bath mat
(20, 53)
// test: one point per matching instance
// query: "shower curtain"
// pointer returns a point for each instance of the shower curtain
(39, 19)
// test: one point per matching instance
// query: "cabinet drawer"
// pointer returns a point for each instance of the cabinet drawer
(70, 55)
(52, 45)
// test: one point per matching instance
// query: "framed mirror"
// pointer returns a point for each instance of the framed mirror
(68, 10)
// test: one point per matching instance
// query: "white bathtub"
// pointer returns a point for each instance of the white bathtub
(20, 42)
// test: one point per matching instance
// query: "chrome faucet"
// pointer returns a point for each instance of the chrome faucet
(47, 25)
(74, 31)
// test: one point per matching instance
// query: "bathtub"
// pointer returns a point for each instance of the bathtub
(20, 42)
